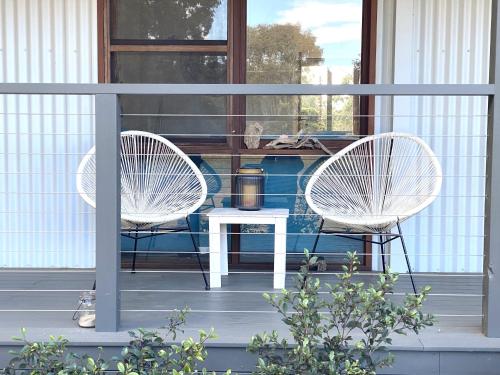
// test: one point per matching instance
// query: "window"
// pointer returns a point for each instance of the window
(166, 22)
(159, 41)
(174, 116)
(243, 41)
(304, 42)
(238, 41)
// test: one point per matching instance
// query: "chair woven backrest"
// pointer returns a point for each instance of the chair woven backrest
(376, 181)
(159, 183)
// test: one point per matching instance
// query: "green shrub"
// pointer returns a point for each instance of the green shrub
(51, 357)
(343, 333)
(148, 353)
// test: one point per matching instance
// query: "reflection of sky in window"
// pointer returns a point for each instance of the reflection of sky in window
(335, 23)
(219, 25)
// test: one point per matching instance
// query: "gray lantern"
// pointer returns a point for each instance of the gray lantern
(250, 189)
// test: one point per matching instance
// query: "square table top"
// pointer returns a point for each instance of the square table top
(262, 213)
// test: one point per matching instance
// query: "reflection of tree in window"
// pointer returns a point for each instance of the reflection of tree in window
(275, 54)
(163, 20)
(274, 50)
(287, 54)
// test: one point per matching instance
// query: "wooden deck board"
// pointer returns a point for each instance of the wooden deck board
(457, 303)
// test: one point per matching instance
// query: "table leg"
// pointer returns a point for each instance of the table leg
(215, 253)
(279, 254)
(223, 250)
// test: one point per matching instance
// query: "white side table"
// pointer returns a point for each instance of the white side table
(219, 218)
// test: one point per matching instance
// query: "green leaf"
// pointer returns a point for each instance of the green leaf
(121, 367)
(90, 362)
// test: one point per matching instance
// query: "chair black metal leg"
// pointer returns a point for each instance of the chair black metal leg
(382, 252)
(150, 243)
(136, 239)
(317, 236)
(406, 257)
(197, 250)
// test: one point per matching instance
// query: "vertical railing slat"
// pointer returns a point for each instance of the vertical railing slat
(107, 114)
(491, 269)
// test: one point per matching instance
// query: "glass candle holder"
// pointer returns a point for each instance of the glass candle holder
(250, 189)
(86, 318)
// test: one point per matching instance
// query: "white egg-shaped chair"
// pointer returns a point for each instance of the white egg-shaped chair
(373, 185)
(159, 185)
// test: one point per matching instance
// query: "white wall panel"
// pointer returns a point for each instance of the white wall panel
(43, 222)
(445, 41)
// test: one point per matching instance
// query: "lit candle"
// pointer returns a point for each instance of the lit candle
(249, 194)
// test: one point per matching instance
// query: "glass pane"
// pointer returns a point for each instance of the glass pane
(161, 20)
(168, 67)
(326, 116)
(311, 42)
(286, 181)
(183, 116)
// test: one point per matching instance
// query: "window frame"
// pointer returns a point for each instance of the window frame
(235, 50)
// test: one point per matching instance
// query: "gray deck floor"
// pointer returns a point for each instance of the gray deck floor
(236, 311)
(455, 346)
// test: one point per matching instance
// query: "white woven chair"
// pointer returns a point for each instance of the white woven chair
(159, 184)
(373, 185)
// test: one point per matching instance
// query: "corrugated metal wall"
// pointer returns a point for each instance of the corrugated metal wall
(43, 222)
(445, 41)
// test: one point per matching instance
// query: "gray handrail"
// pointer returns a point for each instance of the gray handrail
(248, 89)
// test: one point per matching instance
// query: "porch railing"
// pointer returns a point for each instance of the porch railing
(108, 126)
(107, 131)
